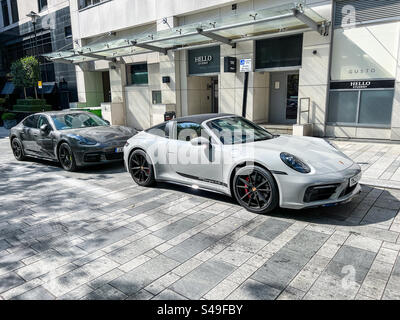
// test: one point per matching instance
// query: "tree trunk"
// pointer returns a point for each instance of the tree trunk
(25, 92)
(36, 93)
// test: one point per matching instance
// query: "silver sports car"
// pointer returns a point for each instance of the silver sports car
(231, 155)
(74, 138)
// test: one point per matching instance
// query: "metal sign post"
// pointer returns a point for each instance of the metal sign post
(245, 66)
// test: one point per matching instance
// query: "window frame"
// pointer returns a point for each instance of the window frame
(129, 75)
(14, 10)
(91, 5)
(42, 7)
(357, 123)
(4, 9)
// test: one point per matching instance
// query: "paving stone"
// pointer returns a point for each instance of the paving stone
(174, 229)
(9, 281)
(291, 293)
(39, 293)
(202, 279)
(365, 243)
(140, 277)
(168, 294)
(106, 239)
(270, 229)
(135, 249)
(105, 292)
(254, 290)
(190, 247)
(354, 256)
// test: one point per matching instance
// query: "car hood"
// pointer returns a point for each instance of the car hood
(103, 134)
(315, 152)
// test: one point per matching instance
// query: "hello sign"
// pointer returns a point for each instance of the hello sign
(204, 60)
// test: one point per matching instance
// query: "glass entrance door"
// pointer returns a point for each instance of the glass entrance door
(283, 98)
(292, 95)
(214, 95)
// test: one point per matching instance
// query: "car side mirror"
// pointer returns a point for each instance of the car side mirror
(200, 141)
(44, 128)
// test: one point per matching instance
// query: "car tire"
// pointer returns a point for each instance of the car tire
(18, 149)
(141, 168)
(255, 189)
(66, 157)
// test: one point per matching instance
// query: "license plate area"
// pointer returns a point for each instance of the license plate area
(354, 180)
(119, 150)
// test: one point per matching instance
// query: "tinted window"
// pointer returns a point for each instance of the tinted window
(43, 120)
(159, 130)
(187, 131)
(77, 120)
(31, 122)
(235, 130)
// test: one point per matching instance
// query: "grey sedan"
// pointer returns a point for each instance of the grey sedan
(73, 138)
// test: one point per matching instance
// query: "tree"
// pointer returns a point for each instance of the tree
(26, 73)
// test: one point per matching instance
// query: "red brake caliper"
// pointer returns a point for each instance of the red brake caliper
(245, 190)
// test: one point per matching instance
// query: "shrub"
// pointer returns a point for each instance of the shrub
(8, 116)
(31, 108)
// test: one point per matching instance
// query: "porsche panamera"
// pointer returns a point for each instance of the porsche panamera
(72, 138)
(229, 154)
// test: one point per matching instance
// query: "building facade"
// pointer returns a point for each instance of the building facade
(53, 32)
(321, 67)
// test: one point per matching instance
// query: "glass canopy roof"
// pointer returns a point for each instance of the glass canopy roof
(222, 29)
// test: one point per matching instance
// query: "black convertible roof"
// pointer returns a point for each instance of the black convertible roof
(200, 118)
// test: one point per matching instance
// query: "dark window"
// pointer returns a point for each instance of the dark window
(187, 131)
(159, 130)
(68, 31)
(4, 9)
(87, 3)
(279, 52)
(156, 97)
(31, 121)
(14, 11)
(43, 120)
(361, 107)
(42, 5)
(137, 74)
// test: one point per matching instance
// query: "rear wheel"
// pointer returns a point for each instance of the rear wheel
(255, 189)
(67, 158)
(17, 149)
(141, 168)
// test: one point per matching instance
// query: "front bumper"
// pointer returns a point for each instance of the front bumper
(91, 155)
(295, 191)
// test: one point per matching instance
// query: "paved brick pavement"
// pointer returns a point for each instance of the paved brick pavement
(96, 235)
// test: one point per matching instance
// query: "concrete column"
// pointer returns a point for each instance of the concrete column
(395, 130)
(314, 77)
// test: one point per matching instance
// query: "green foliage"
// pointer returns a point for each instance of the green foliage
(2, 101)
(8, 116)
(31, 102)
(25, 72)
(32, 108)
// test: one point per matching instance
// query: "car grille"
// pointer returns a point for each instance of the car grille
(114, 156)
(319, 193)
(347, 191)
(92, 157)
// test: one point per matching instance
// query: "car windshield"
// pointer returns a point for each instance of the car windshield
(77, 120)
(233, 130)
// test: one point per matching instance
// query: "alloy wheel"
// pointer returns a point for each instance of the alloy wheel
(17, 149)
(253, 190)
(65, 157)
(140, 168)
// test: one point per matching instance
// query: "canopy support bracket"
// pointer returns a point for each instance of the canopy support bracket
(93, 55)
(216, 37)
(150, 47)
(322, 29)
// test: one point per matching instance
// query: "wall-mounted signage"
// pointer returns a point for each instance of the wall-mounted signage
(204, 60)
(230, 64)
(357, 85)
(245, 65)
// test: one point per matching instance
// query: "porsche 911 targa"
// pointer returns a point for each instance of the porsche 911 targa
(231, 155)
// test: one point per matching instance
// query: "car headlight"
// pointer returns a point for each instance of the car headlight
(127, 144)
(295, 163)
(83, 140)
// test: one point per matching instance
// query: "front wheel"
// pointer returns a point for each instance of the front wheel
(67, 158)
(255, 189)
(17, 149)
(141, 168)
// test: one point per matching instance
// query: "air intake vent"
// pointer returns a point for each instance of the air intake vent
(365, 11)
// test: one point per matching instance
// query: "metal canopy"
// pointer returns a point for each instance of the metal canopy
(227, 30)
